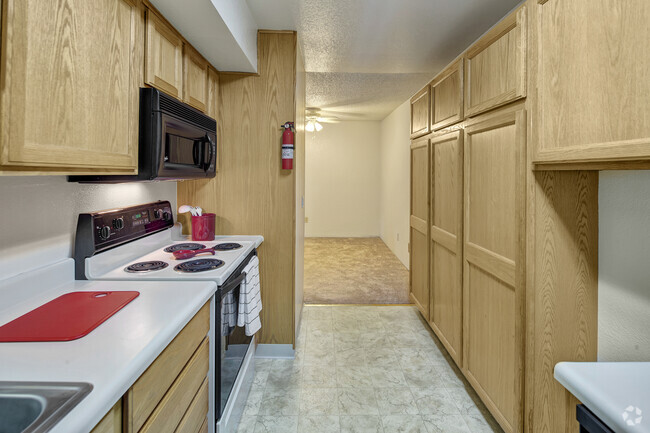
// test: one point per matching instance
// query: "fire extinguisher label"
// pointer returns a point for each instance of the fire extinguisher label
(287, 152)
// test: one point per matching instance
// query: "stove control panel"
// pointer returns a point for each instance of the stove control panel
(98, 231)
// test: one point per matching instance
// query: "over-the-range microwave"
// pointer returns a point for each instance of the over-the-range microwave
(176, 141)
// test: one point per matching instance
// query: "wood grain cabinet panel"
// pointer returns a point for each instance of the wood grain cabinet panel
(419, 232)
(593, 81)
(493, 268)
(447, 97)
(112, 421)
(420, 113)
(212, 108)
(152, 386)
(446, 241)
(169, 413)
(65, 108)
(164, 56)
(195, 82)
(495, 67)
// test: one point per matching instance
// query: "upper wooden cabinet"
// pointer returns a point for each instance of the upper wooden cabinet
(195, 82)
(495, 67)
(447, 97)
(420, 113)
(66, 108)
(212, 108)
(164, 56)
(592, 81)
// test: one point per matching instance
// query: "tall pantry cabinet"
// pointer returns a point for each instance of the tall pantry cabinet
(512, 252)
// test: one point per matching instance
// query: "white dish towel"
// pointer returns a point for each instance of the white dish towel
(250, 298)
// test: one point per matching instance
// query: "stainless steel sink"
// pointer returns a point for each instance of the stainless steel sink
(35, 407)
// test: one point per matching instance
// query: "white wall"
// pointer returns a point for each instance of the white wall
(342, 180)
(624, 266)
(39, 214)
(395, 181)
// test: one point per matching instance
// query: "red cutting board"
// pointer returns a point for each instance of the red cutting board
(68, 317)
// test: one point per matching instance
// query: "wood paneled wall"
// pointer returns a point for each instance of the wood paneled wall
(251, 194)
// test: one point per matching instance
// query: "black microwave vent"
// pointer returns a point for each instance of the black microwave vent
(176, 108)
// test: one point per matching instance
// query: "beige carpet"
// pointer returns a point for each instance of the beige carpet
(353, 271)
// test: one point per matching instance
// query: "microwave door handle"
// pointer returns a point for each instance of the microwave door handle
(206, 164)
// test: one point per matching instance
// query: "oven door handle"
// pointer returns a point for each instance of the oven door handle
(232, 285)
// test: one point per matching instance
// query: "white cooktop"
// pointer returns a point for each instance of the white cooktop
(111, 264)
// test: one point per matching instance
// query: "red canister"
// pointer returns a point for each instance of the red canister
(203, 227)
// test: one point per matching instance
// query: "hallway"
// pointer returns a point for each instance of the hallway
(353, 271)
(363, 369)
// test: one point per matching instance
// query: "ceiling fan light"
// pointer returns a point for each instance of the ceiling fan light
(310, 126)
(318, 126)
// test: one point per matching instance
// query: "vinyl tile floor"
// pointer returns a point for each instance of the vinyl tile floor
(364, 369)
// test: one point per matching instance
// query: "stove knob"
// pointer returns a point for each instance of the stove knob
(156, 213)
(104, 232)
(118, 223)
(167, 216)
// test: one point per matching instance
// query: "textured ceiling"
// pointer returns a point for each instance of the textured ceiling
(365, 57)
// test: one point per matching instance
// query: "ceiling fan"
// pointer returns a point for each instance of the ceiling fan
(314, 118)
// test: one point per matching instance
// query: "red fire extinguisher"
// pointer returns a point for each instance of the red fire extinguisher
(287, 146)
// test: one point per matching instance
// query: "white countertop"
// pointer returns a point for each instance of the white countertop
(112, 356)
(609, 390)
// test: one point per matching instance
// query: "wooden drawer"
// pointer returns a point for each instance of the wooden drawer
(447, 97)
(168, 414)
(204, 427)
(150, 388)
(495, 67)
(195, 82)
(197, 412)
(164, 56)
(420, 113)
(112, 421)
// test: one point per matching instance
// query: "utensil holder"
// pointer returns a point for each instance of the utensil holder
(203, 227)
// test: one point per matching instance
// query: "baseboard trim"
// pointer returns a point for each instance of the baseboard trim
(277, 351)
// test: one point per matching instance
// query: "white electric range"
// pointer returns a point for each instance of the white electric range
(137, 244)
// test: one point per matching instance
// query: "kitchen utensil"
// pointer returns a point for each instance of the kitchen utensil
(184, 209)
(203, 227)
(188, 254)
(68, 317)
(199, 211)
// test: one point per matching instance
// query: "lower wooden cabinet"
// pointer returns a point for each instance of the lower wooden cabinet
(419, 232)
(446, 244)
(112, 421)
(172, 394)
(493, 274)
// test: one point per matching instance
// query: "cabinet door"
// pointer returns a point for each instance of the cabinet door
(593, 81)
(447, 241)
(212, 108)
(495, 67)
(195, 81)
(492, 275)
(164, 56)
(112, 421)
(447, 97)
(419, 226)
(70, 75)
(420, 113)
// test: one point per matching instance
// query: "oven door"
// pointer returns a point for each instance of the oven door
(233, 343)
(187, 151)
